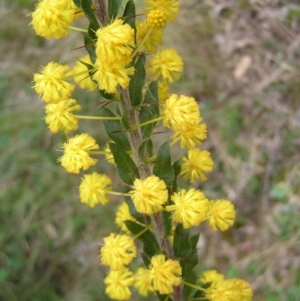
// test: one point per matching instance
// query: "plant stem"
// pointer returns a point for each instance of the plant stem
(135, 139)
(100, 12)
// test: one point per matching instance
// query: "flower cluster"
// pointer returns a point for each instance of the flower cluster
(221, 289)
(126, 67)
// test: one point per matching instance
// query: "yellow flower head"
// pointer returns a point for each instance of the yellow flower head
(117, 284)
(149, 195)
(50, 83)
(169, 7)
(118, 250)
(164, 274)
(220, 214)
(191, 136)
(77, 153)
(243, 290)
(142, 282)
(181, 112)
(122, 215)
(156, 19)
(190, 207)
(51, 19)
(166, 63)
(81, 74)
(211, 276)
(231, 289)
(93, 189)
(196, 164)
(154, 39)
(109, 76)
(115, 42)
(222, 290)
(59, 115)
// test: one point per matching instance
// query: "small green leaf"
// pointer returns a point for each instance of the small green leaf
(113, 8)
(146, 150)
(151, 246)
(77, 3)
(163, 165)
(187, 290)
(137, 82)
(181, 245)
(127, 170)
(115, 130)
(177, 169)
(167, 222)
(150, 109)
(86, 6)
(106, 95)
(129, 13)
(89, 44)
(132, 210)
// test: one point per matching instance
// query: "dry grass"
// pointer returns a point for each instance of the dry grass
(242, 63)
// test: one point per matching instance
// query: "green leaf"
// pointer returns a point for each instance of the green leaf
(86, 6)
(133, 211)
(151, 246)
(149, 110)
(167, 222)
(137, 82)
(187, 290)
(163, 165)
(115, 130)
(77, 3)
(106, 95)
(127, 170)
(177, 169)
(113, 8)
(89, 44)
(129, 13)
(146, 150)
(182, 244)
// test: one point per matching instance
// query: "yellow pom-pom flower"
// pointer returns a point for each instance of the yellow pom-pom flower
(156, 19)
(211, 276)
(169, 7)
(117, 251)
(190, 207)
(153, 39)
(117, 284)
(180, 112)
(221, 214)
(59, 115)
(149, 195)
(50, 84)
(51, 19)
(142, 282)
(93, 189)
(77, 153)
(165, 274)
(196, 164)
(81, 74)
(229, 290)
(109, 76)
(115, 42)
(166, 64)
(191, 136)
(122, 215)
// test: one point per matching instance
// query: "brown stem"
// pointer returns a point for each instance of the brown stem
(135, 138)
(100, 11)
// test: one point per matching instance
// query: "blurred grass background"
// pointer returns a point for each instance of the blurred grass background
(242, 62)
